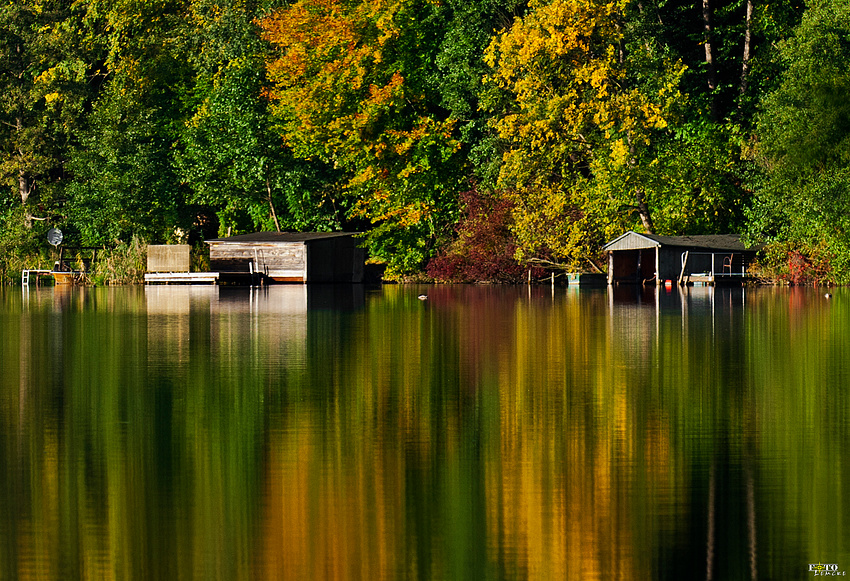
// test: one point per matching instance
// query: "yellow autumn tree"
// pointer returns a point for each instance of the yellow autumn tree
(351, 86)
(582, 107)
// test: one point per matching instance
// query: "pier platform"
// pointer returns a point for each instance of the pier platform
(182, 278)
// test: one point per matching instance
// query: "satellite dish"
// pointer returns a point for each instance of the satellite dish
(54, 236)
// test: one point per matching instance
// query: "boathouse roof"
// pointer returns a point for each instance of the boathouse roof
(709, 242)
(286, 237)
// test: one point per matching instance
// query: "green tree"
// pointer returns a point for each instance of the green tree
(589, 107)
(726, 47)
(231, 157)
(125, 182)
(803, 133)
(353, 86)
(46, 76)
(470, 26)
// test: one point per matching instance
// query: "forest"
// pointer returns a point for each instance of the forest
(466, 139)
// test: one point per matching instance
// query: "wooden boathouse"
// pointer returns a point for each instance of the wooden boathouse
(651, 259)
(301, 257)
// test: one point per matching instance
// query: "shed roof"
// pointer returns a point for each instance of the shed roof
(718, 242)
(271, 237)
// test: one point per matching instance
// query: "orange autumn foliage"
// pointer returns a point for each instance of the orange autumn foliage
(347, 90)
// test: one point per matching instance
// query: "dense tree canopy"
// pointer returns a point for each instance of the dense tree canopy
(803, 191)
(354, 86)
(585, 108)
(516, 130)
(45, 72)
(232, 158)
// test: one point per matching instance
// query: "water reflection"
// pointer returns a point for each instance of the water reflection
(486, 433)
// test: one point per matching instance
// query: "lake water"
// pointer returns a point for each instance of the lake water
(339, 432)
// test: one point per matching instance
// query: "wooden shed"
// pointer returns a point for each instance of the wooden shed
(652, 259)
(290, 256)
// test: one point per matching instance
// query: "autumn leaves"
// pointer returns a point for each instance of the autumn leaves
(581, 111)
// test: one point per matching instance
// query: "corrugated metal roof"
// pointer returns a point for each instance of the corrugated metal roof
(268, 237)
(635, 241)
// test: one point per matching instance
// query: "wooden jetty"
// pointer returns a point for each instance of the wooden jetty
(182, 277)
(60, 277)
(171, 264)
(716, 279)
(33, 274)
(586, 279)
(65, 269)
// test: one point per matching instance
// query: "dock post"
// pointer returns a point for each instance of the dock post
(685, 255)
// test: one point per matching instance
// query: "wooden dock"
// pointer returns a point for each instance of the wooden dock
(708, 279)
(182, 277)
(29, 274)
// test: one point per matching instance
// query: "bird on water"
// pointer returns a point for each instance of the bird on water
(422, 297)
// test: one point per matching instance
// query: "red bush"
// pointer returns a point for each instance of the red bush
(484, 247)
(804, 269)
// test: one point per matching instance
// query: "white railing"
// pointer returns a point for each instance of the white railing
(728, 263)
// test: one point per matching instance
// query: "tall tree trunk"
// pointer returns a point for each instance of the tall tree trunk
(745, 66)
(710, 67)
(24, 186)
(640, 199)
(271, 204)
(25, 189)
(643, 212)
(24, 182)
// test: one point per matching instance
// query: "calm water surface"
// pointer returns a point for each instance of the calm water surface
(486, 433)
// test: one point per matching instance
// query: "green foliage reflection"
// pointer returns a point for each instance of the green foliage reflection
(485, 433)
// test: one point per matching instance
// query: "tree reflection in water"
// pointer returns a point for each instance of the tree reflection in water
(486, 433)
